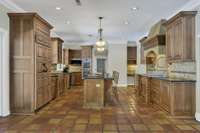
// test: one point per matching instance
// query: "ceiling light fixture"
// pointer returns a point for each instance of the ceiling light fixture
(100, 44)
(126, 22)
(134, 8)
(58, 8)
(68, 22)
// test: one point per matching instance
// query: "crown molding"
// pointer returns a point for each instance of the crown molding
(189, 6)
(11, 6)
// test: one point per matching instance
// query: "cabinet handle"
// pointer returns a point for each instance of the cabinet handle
(45, 69)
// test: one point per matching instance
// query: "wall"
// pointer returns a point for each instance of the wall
(4, 62)
(198, 65)
(117, 60)
(141, 68)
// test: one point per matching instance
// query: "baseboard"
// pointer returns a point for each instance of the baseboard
(197, 116)
(122, 85)
(5, 114)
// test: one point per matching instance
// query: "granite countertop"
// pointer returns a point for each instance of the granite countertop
(59, 72)
(94, 76)
(169, 78)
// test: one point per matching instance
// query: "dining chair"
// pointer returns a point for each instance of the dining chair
(115, 83)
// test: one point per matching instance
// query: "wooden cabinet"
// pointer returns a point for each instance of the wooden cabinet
(86, 60)
(155, 91)
(165, 95)
(30, 79)
(74, 54)
(76, 79)
(143, 90)
(54, 85)
(176, 97)
(66, 57)
(180, 37)
(56, 44)
(66, 81)
(132, 55)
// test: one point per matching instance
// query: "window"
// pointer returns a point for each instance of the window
(101, 66)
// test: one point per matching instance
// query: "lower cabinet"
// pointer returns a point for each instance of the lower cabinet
(76, 79)
(176, 97)
(60, 82)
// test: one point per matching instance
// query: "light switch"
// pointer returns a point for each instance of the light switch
(98, 85)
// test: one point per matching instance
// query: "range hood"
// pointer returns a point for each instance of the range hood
(156, 35)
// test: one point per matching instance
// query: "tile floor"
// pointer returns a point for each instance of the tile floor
(65, 115)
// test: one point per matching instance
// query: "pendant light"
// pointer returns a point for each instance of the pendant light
(100, 44)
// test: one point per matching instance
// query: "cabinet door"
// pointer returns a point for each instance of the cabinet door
(178, 40)
(169, 43)
(165, 95)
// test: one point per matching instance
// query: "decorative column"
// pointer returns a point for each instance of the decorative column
(4, 73)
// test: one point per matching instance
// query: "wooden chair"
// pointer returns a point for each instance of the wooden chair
(115, 83)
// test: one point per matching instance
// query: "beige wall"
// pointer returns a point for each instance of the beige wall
(4, 59)
(198, 66)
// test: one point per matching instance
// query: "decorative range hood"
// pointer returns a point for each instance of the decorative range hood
(156, 35)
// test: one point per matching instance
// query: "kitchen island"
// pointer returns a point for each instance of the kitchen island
(96, 90)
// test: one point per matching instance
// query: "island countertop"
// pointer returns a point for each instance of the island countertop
(95, 76)
(168, 78)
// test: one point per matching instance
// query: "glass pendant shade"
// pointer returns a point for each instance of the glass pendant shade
(100, 43)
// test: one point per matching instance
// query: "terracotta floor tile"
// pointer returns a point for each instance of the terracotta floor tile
(140, 127)
(155, 127)
(110, 127)
(185, 127)
(79, 127)
(196, 127)
(130, 115)
(125, 127)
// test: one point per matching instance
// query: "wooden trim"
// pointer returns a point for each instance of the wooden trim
(180, 14)
(30, 14)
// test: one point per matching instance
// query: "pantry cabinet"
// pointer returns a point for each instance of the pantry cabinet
(180, 37)
(56, 44)
(30, 62)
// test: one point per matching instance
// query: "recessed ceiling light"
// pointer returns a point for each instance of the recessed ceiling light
(134, 8)
(58, 8)
(126, 22)
(68, 22)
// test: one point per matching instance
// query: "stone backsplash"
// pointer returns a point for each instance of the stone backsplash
(186, 70)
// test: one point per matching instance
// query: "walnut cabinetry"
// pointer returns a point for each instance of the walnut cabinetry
(86, 60)
(30, 60)
(180, 37)
(143, 90)
(56, 44)
(65, 56)
(76, 79)
(176, 97)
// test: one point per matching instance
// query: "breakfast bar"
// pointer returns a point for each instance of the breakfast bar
(96, 90)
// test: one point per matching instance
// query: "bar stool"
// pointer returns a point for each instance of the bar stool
(115, 83)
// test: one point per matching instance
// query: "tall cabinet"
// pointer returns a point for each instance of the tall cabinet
(56, 44)
(30, 62)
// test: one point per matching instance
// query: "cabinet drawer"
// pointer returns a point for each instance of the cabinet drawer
(43, 52)
(42, 39)
(43, 67)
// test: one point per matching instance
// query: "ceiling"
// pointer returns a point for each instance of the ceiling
(84, 19)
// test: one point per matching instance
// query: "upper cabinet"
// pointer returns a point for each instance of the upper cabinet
(56, 45)
(132, 55)
(180, 37)
(65, 56)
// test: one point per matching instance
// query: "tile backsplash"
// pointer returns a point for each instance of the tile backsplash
(186, 70)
